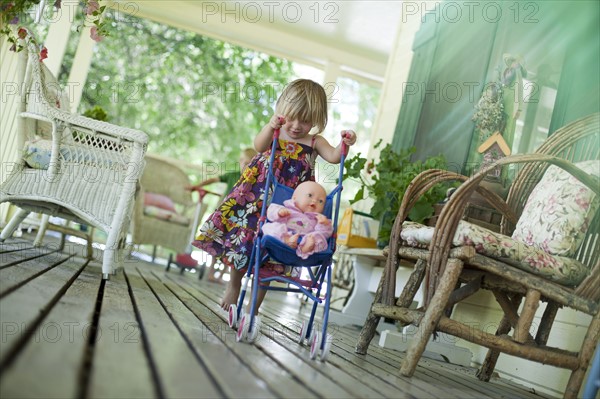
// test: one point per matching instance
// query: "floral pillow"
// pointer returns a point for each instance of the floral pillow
(159, 201)
(558, 211)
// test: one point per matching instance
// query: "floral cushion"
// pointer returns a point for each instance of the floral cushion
(526, 257)
(558, 211)
(166, 215)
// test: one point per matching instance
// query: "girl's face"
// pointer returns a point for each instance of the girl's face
(297, 129)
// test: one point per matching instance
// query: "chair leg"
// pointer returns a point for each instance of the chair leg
(491, 358)
(585, 355)
(532, 302)
(12, 225)
(412, 285)
(543, 333)
(489, 364)
(432, 316)
(39, 238)
(111, 254)
(370, 327)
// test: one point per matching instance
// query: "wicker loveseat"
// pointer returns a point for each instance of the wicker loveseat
(71, 166)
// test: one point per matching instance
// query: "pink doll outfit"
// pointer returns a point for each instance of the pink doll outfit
(298, 222)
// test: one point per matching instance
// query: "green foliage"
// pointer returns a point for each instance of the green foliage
(394, 172)
(97, 113)
(198, 99)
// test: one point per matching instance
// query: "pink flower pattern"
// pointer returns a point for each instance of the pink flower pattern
(558, 211)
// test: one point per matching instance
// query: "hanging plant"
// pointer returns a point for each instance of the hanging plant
(12, 13)
(489, 114)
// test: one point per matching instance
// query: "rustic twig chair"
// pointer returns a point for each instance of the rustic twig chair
(73, 167)
(457, 263)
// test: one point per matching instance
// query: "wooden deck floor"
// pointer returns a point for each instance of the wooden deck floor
(150, 333)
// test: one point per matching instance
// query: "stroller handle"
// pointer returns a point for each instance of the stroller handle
(344, 145)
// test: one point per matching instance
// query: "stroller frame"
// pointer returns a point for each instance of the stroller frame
(249, 324)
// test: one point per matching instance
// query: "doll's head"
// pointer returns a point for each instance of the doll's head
(310, 197)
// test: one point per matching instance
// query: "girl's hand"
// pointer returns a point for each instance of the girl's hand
(283, 213)
(277, 121)
(348, 137)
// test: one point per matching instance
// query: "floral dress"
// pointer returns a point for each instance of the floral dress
(229, 232)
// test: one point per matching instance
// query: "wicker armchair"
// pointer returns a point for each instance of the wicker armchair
(72, 167)
(163, 228)
(456, 265)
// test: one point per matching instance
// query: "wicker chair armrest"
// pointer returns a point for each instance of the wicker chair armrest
(108, 129)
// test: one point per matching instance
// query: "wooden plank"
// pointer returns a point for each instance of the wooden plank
(332, 381)
(13, 245)
(252, 358)
(13, 258)
(386, 386)
(119, 348)
(23, 309)
(221, 364)
(371, 367)
(50, 361)
(460, 376)
(11, 278)
(178, 372)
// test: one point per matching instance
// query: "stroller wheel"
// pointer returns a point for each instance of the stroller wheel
(242, 332)
(232, 316)
(303, 330)
(253, 334)
(314, 345)
(326, 348)
(313, 333)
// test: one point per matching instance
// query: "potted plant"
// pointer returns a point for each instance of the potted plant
(386, 181)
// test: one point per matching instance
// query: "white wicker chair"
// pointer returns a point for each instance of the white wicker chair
(165, 178)
(93, 170)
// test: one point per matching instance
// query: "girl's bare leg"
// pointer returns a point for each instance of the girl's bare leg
(259, 300)
(232, 292)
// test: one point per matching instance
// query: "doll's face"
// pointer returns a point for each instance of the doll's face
(310, 197)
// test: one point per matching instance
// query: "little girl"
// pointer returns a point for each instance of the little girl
(229, 232)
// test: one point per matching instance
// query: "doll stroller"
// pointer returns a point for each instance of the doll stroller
(318, 267)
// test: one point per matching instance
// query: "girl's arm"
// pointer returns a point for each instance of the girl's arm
(264, 138)
(203, 183)
(334, 154)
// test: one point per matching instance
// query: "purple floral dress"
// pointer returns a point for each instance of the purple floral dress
(229, 232)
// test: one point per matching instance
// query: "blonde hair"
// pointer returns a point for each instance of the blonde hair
(304, 100)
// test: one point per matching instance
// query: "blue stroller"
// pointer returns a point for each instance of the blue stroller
(318, 267)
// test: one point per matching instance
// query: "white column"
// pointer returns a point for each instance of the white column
(395, 78)
(58, 37)
(332, 71)
(80, 67)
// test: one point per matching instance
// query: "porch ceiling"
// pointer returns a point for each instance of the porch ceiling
(358, 35)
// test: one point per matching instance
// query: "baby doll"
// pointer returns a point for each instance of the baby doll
(301, 218)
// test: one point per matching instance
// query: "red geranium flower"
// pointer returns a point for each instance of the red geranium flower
(43, 53)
